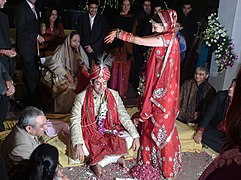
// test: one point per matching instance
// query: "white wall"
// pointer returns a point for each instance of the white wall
(229, 14)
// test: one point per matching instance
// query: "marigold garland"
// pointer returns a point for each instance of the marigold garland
(216, 35)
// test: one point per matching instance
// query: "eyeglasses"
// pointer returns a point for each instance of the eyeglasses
(41, 125)
(200, 74)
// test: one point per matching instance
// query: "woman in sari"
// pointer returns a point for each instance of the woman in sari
(160, 142)
(70, 72)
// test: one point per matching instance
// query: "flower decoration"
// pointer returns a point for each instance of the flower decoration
(142, 172)
(101, 120)
(215, 35)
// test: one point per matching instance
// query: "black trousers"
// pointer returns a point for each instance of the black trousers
(30, 78)
(4, 104)
(214, 138)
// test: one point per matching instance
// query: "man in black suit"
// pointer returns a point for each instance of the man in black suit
(6, 65)
(6, 51)
(212, 125)
(143, 28)
(188, 23)
(6, 89)
(93, 29)
(27, 22)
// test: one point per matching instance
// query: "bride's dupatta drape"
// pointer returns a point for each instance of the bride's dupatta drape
(160, 142)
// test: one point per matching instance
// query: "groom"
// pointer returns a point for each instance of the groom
(98, 118)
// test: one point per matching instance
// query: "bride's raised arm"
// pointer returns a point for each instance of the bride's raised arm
(152, 40)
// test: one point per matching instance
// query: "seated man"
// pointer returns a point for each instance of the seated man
(195, 95)
(6, 89)
(23, 138)
(212, 125)
(96, 128)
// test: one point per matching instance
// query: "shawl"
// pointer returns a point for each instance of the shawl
(69, 59)
(99, 145)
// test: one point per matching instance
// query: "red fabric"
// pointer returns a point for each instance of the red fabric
(160, 141)
(97, 144)
(99, 71)
(60, 27)
(120, 73)
(113, 83)
(170, 18)
(225, 166)
(83, 80)
(200, 129)
(124, 72)
(223, 124)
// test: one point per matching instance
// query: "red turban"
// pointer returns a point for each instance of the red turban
(99, 71)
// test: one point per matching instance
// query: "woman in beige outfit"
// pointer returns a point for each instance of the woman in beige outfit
(69, 67)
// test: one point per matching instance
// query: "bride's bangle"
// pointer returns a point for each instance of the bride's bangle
(123, 35)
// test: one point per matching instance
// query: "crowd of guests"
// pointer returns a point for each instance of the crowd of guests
(100, 126)
(41, 32)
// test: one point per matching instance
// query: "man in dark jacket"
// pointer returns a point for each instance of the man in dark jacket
(93, 29)
(188, 23)
(195, 95)
(6, 51)
(27, 22)
(6, 89)
(212, 125)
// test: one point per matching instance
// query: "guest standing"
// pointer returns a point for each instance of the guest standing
(6, 89)
(124, 20)
(27, 22)
(6, 65)
(142, 28)
(6, 51)
(93, 29)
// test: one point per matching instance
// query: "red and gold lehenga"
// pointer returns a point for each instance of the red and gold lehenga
(120, 73)
(160, 145)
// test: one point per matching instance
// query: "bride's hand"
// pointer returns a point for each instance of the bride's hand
(111, 36)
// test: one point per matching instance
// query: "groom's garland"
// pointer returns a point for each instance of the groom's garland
(101, 119)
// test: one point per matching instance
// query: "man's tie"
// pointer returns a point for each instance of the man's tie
(34, 11)
(91, 22)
